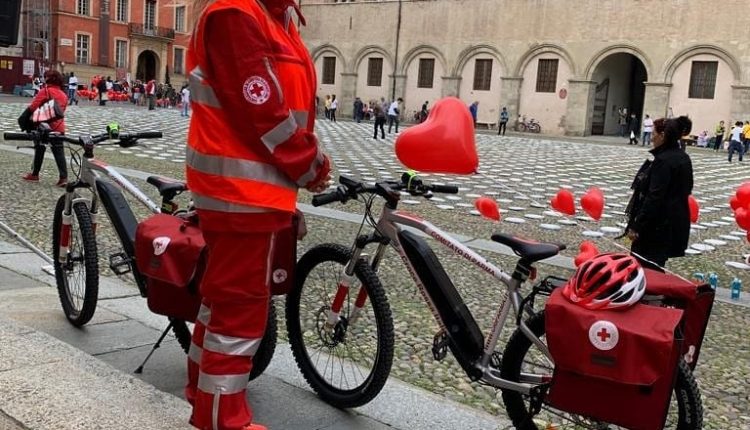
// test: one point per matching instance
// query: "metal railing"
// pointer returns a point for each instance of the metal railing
(136, 29)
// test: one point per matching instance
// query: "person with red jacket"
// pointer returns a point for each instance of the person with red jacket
(250, 148)
(53, 89)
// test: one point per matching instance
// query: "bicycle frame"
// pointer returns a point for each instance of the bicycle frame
(389, 226)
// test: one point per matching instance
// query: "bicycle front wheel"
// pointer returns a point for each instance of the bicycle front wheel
(521, 358)
(346, 361)
(77, 277)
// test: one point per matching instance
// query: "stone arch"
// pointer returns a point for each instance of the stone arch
(544, 48)
(326, 48)
(472, 51)
(617, 49)
(367, 51)
(692, 51)
(418, 50)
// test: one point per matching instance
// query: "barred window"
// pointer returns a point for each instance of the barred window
(329, 71)
(149, 21)
(374, 72)
(482, 75)
(426, 72)
(121, 53)
(122, 11)
(703, 79)
(179, 60)
(179, 19)
(83, 7)
(82, 48)
(546, 75)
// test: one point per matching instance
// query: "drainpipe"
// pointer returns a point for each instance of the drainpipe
(395, 59)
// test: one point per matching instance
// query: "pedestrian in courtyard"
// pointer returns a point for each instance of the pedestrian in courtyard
(501, 125)
(53, 89)
(719, 138)
(379, 113)
(746, 137)
(334, 107)
(36, 85)
(735, 141)
(151, 94)
(393, 114)
(72, 89)
(328, 106)
(250, 146)
(648, 128)
(622, 120)
(185, 95)
(659, 215)
(101, 87)
(357, 111)
(423, 113)
(474, 110)
(634, 129)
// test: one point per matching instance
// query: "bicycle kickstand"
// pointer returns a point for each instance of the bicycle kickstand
(139, 370)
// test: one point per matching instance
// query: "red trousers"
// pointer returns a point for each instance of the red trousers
(229, 328)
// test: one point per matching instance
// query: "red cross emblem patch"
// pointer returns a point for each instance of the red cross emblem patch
(256, 90)
(603, 335)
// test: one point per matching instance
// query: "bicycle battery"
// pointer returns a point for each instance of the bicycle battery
(466, 340)
(119, 213)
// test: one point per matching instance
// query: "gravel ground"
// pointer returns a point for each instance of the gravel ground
(724, 371)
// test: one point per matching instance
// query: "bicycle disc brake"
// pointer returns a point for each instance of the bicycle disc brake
(440, 345)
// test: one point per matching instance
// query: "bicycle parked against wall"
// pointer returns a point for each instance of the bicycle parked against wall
(531, 125)
(341, 331)
(74, 245)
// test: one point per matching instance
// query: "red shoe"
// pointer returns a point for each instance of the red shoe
(30, 177)
(255, 427)
(62, 182)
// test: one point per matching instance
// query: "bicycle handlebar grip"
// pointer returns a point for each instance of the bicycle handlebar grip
(16, 136)
(149, 135)
(445, 189)
(326, 198)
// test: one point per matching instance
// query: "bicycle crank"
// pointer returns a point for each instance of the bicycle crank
(440, 345)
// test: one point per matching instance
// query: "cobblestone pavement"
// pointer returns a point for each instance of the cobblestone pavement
(521, 173)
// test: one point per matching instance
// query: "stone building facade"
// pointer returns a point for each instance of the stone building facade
(571, 64)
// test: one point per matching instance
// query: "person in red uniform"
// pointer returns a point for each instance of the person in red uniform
(53, 89)
(250, 148)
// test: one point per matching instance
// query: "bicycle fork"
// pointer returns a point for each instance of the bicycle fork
(66, 232)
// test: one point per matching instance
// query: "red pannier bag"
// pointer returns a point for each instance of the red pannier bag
(615, 366)
(696, 300)
(169, 253)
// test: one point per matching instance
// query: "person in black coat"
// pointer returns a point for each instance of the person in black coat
(659, 223)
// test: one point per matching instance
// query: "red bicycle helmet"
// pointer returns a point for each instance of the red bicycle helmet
(607, 281)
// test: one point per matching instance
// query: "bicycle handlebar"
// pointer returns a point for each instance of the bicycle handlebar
(125, 139)
(350, 189)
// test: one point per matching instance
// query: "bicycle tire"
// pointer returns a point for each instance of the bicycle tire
(535, 128)
(373, 383)
(88, 260)
(690, 407)
(262, 357)
(522, 127)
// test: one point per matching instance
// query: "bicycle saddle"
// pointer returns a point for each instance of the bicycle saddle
(166, 186)
(528, 249)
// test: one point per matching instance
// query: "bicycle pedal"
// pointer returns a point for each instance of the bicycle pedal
(440, 345)
(119, 263)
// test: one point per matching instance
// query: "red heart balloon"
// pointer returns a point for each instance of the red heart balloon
(742, 216)
(587, 251)
(444, 143)
(743, 194)
(488, 208)
(588, 246)
(564, 202)
(734, 202)
(694, 208)
(593, 203)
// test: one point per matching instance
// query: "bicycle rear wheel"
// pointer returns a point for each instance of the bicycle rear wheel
(347, 363)
(78, 277)
(262, 357)
(685, 411)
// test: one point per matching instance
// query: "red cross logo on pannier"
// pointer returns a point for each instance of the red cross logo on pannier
(603, 335)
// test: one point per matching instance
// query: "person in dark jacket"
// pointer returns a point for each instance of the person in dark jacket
(634, 129)
(659, 224)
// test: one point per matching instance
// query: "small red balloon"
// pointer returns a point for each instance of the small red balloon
(488, 208)
(694, 208)
(587, 251)
(743, 194)
(564, 202)
(742, 216)
(734, 202)
(593, 203)
(444, 143)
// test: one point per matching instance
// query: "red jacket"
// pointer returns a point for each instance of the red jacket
(252, 83)
(59, 95)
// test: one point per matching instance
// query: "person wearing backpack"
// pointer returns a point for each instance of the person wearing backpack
(52, 90)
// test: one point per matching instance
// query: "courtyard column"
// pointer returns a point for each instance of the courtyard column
(510, 97)
(656, 99)
(346, 98)
(580, 107)
(740, 103)
(450, 86)
(399, 82)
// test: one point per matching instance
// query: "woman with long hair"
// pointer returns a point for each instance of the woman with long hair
(251, 146)
(52, 89)
(659, 223)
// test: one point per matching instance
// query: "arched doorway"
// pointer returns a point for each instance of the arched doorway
(148, 63)
(620, 81)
